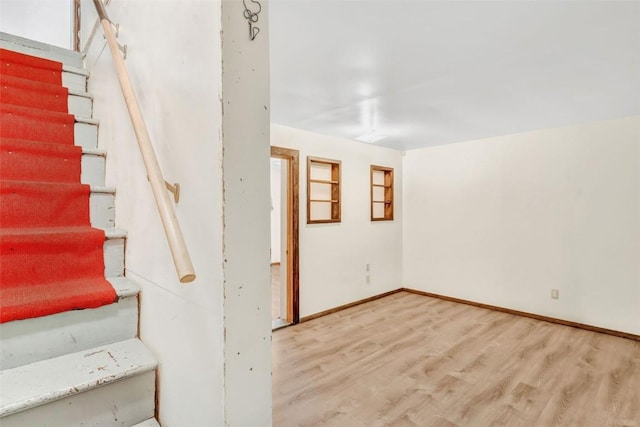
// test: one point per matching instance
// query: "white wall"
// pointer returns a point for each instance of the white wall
(175, 60)
(504, 220)
(47, 21)
(333, 256)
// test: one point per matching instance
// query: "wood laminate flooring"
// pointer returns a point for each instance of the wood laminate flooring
(411, 360)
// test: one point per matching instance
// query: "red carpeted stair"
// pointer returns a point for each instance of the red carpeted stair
(51, 260)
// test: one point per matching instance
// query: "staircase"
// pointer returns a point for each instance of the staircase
(69, 352)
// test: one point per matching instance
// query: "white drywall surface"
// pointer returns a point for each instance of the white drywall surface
(333, 256)
(47, 21)
(504, 220)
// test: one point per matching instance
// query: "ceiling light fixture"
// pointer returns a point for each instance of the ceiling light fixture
(370, 137)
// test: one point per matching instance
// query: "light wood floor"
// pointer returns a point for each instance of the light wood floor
(410, 360)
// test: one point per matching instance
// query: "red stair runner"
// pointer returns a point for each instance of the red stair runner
(19, 159)
(51, 260)
(29, 67)
(35, 124)
(25, 92)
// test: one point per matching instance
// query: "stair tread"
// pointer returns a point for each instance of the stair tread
(124, 287)
(92, 188)
(87, 120)
(45, 337)
(73, 92)
(37, 113)
(151, 422)
(26, 183)
(43, 145)
(59, 232)
(114, 233)
(42, 382)
(44, 50)
(93, 151)
(103, 189)
(46, 115)
(16, 82)
(75, 70)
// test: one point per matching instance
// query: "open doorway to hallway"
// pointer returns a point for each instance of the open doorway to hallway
(279, 281)
(284, 237)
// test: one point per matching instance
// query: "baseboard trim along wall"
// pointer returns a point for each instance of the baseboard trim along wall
(351, 304)
(530, 315)
(480, 305)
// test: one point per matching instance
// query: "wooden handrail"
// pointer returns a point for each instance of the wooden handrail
(177, 245)
(76, 25)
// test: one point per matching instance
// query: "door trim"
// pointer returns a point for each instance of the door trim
(293, 217)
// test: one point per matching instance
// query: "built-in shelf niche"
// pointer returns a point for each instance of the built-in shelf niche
(381, 193)
(323, 190)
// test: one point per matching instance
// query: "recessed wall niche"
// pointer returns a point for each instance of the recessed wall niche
(323, 190)
(381, 193)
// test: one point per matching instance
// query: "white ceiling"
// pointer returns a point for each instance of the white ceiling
(426, 73)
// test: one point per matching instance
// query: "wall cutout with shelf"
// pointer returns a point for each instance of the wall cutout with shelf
(381, 193)
(323, 190)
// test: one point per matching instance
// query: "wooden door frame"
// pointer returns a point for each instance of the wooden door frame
(293, 217)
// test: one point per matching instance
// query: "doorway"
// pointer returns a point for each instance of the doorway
(285, 166)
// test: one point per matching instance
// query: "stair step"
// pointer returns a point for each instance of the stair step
(66, 207)
(20, 158)
(32, 93)
(34, 68)
(39, 49)
(74, 78)
(102, 209)
(56, 248)
(58, 204)
(19, 122)
(32, 340)
(152, 422)
(53, 162)
(114, 252)
(29, 123)
(50, 254)
(27, 93)
(103, 386)
(92, 168)
(26, 123)
(80, 104)
(86, 133)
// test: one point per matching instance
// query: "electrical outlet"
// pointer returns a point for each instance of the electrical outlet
(368, 279)
(555, 294)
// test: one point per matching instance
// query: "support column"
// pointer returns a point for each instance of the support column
(246, 209)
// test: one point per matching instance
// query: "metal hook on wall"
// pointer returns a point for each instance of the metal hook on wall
(252, 18)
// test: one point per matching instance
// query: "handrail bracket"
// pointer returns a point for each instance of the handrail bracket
(121, 47)
(174, 189)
